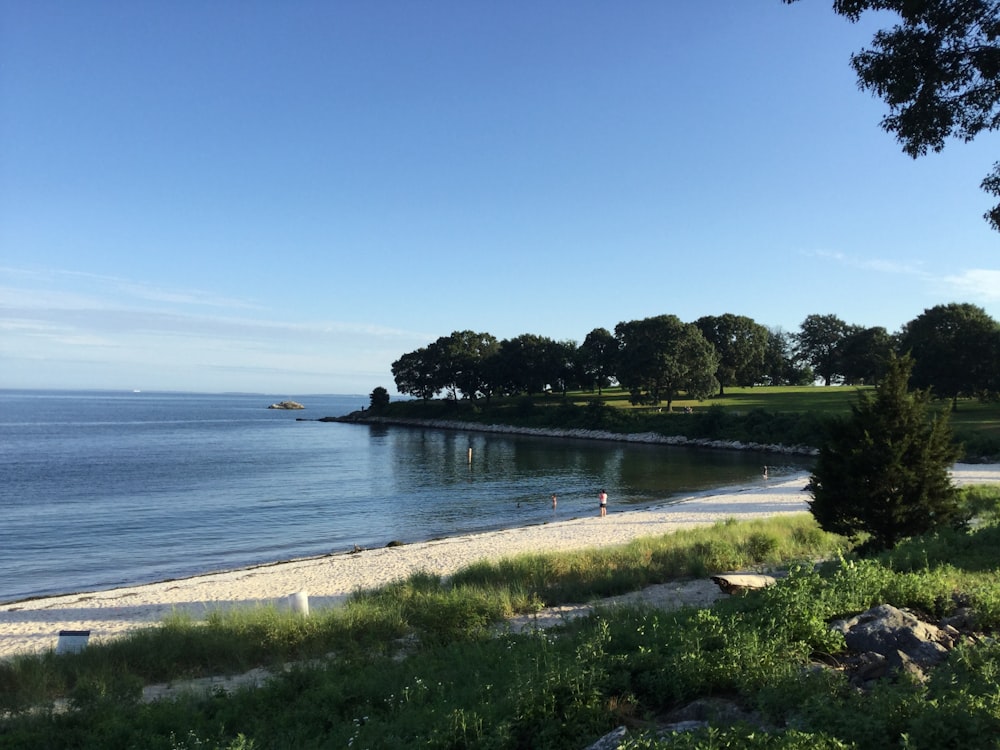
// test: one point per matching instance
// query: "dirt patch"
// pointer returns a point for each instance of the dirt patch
(668, 596)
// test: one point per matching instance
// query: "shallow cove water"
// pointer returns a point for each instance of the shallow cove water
(104, 489)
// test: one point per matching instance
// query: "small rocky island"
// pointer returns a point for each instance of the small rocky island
(286, 405)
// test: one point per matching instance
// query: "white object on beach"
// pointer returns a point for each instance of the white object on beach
(738, 583)
(72, 641)
(300, 602)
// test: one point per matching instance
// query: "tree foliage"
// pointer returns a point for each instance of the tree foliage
(956, 349)
(378, 399)
(464, 357)
(741, 344)
(661, 356)
(416, 374)
(863, 354)
(458, 362)
(780, 364)
(529, 363)
(938, 69)
(818, 342)
(885, 469)
(597, 359)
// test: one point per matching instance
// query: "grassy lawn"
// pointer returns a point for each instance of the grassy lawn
(778, 399)
(785, 415)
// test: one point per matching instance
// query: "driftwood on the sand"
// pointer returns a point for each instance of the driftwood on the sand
(738, 583)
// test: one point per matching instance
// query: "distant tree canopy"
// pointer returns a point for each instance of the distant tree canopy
(741, 344)
(454, 363)
(863, 354)
(938, 70)
(529, 364)
(378, 399)
(884, 470)
(818, 343)
(661, 356)
(781, 366)
(955, 349)
(597, 359)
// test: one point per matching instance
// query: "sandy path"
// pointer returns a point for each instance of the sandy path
(34, 625)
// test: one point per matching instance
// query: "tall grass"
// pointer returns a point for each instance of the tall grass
(727, 545)
(414, 665)
(373, 622)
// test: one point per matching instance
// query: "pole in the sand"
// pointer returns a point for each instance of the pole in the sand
(300, 603)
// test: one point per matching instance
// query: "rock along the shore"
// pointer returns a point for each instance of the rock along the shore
(286, 405)
(364, 417)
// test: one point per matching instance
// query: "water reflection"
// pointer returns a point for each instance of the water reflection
(444, 482)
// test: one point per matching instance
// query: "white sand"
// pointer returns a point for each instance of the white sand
(32, 626)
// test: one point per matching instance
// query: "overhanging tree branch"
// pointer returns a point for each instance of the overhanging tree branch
(939, 72)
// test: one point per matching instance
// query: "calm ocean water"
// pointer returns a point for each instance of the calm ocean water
(103, 489)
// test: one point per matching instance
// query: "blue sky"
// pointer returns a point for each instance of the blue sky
(284, 197)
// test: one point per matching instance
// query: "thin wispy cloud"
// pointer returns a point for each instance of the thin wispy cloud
(117, 303)
(72, 320)
(981, 284)
(880, 265)
(102, 289)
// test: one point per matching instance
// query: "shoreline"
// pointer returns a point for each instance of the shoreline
(656, 438)
(33, 625)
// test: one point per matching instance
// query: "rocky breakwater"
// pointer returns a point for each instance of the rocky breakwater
(365, 417)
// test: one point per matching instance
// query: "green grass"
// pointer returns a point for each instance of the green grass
(796, 399)
(418, 663)
(782, 415)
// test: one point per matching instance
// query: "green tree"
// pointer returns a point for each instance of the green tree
(884, 470)
(863, 354)
(529, 363)
(780, 366)
(464, 355)
(817, 343)
(458, 362)
(566, 361)
(741, 344)
(597, 358)
(416, 374)
(661, 356)
(956, 351)
(938, 70)
(378, 399)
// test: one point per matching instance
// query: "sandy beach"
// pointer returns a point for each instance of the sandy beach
(34, 625)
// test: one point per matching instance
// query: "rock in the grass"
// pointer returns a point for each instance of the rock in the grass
(611, 741)
(738, 583)
(897, 635)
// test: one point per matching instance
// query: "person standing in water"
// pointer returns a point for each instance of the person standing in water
(553, 501)
(603, 500)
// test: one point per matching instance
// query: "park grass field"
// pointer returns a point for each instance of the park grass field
(778, 399)
(971, 416)
(786, 415)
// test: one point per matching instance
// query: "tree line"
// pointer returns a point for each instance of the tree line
(955, 350)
